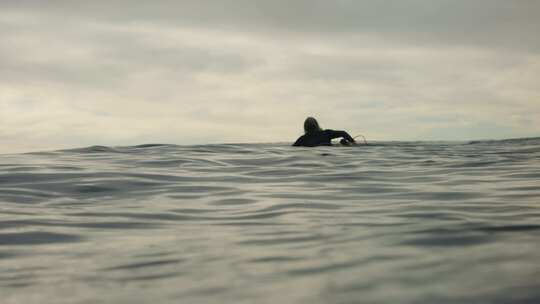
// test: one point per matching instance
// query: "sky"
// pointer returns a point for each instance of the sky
(82, 73)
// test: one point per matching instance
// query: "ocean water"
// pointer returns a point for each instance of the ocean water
(393, 222)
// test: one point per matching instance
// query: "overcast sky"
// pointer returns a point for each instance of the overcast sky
(80, 73)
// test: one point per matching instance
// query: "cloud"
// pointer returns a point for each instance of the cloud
(497, 23)
(191, 72)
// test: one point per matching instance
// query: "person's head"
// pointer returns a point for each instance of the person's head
(311, 125)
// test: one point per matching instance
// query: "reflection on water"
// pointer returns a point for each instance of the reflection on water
(400, 222)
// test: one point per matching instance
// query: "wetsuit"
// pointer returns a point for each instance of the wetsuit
(321, 138)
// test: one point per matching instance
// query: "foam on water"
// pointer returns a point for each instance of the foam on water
(393, 222)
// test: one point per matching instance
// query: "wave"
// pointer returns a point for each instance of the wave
(245, 147)
(522, 141)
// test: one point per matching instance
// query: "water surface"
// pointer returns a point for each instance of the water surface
(394, 222)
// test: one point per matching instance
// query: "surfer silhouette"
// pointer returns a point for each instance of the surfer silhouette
(315, 136)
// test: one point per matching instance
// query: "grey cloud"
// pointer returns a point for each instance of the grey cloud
(491, 23)
(38, 54)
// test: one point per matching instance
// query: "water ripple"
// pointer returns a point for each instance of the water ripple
(36, 238)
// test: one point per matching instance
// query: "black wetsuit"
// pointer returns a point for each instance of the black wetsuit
(321, 138)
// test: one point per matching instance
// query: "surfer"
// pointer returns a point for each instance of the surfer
(315, 136)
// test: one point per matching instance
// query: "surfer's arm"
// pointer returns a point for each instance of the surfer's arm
(339, 134)
(299, 142)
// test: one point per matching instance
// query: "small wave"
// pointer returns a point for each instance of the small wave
(522, 141)
(91, 149)
(144, 146)
(145, 264)
(36, 238)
